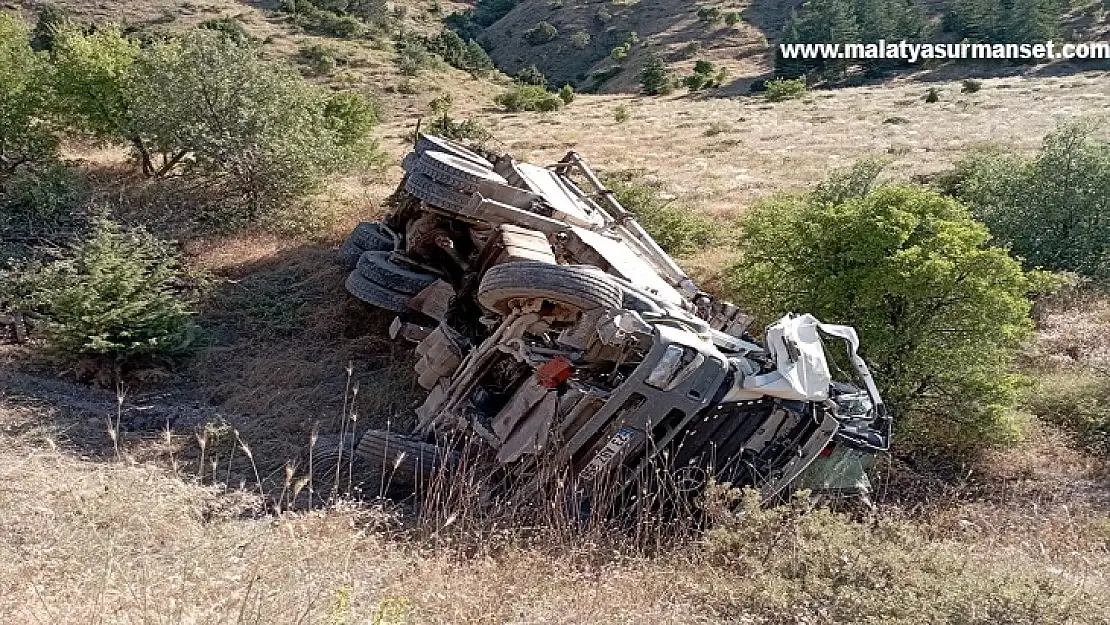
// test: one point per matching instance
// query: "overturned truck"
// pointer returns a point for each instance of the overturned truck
(558, 339)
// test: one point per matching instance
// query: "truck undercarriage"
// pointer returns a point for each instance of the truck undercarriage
(558, 340)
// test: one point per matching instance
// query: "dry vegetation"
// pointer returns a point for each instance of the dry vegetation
(145, 532)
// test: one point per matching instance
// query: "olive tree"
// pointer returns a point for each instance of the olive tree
(939, 311)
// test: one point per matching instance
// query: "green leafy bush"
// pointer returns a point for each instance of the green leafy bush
(971, 86)
(1077, 401)
(116, 294)
(932, 96)
(655, 78)
(531, 75)
(37, 200)
(580, 40)
(231, 28)
(732, 18)
(709, 15)
(541, 33)
(781, 89)
(321, 59)
(566, 94)
(26, 135)
(940, 313)
(621, 114)
(678, 230)
(210, 109)
(1051, 209)
(524, 97)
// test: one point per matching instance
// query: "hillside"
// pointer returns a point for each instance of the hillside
(174, 494)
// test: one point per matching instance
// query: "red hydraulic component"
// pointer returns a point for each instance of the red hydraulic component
(554, 372)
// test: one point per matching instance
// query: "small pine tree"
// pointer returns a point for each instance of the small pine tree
(655, 78)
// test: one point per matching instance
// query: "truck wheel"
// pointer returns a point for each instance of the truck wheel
(379, 268)
(455, 172)
(376, 294)
(584, 288)
(430, 143)
(401, 459)
(367, 236)
(437, 194)
(335, 468)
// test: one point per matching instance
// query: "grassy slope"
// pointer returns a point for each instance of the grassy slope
(135, 540)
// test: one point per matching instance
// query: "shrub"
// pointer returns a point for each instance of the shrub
(566, 94)
(321, 59)
(49, 20)
(230, 27)
(621, 114)
(580, 40)
(655, 78)
(531, 75)
(36, 200)
(939, 312)
(207, 107)
(709, 15)
(603, 15)
(414, 57)
(781, 89)
(1050, 209)
(932, 96)
(1079, 402)
(884, 570)
(702, 76)
(115, 294)
(619, 53)
(541, 33)
(677, 230)
(971, 86)
(467, 56)
(529, 98)
(26, 135)
(732, 18)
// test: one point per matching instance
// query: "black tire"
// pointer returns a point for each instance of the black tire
(379, 268)
(334, 467)
(402, 460)
(367, 236)
(370, 236)
(430, 143)
(376, 294)
(436, 194)
(457, 173)
(584, 288)
(409, 162)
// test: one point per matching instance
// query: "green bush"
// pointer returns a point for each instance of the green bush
(1051, 209)
(580, 39)
(971, 86)
(732, 18)
(709, 15)
(541, 33)
(678, 230)
(524, 97)
(36, 200)
(1079, 402)
(932, 96)
(655, 78)
(115, 294)
(621, 114)
(27, 137)
(321, 59)
(531, 75)
(413, 56)
(940, 313)
(781, 89)
(566, 94)
(231, 28)
(210, 109)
